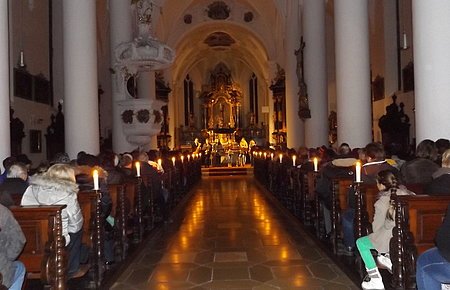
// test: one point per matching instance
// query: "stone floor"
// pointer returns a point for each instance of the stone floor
(231, 237)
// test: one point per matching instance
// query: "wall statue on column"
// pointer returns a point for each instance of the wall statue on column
(303, 110)
(16, 133)
(55, 134)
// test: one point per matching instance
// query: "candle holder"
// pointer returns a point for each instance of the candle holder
(139, 229)
(98, 236)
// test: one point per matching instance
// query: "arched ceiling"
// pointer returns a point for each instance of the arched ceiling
(255, 43)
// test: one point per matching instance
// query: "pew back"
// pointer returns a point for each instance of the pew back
(425, 215)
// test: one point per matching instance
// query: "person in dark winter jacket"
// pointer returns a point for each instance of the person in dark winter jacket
(15, 183)
(441, 178)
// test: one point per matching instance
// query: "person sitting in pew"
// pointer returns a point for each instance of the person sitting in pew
(15, 183)
(433, 266)
(57, 186)
(376, 162)
(441, 178)
(421, 168)
(12, 241)
(382, 225)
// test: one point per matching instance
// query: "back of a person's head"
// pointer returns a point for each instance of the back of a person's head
(388, 179)
(126, 160)
(344, 149)
(89, 160)
(60, 157)
(142, 157)
(426, 149)
(61, 171)
(442, 145)
(375, 151)
(23, 158)
(446, 159)
(152, 155)
(17, 170)
(8, 161)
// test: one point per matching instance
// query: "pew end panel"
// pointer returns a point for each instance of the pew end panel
(44, 254)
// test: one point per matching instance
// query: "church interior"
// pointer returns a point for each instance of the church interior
(238, 108)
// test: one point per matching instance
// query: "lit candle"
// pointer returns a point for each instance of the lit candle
(358, 171)
(293, 160)
(405, 42)
(173, 161)
(95, 175)
(189, 157)
(265, 155)
(316, 164)
(260, 154)
(271, 156)
(200, 154)
(138, 169)
(281, 158)
(182, 158)
(159, 162)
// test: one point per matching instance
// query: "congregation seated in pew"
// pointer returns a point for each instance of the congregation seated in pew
(14, 185)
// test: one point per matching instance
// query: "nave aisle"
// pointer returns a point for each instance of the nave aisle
(230, 236)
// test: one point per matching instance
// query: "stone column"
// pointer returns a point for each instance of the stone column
(431, 25)
(294, 126)
(316, 128)
(80, 77)
(147, 90)
(5, 149)
(121, 31)
(354, 115)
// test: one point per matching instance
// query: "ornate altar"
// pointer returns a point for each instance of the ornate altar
(221, 101)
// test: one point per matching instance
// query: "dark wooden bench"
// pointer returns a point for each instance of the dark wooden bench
(44, 253)
(416, 222)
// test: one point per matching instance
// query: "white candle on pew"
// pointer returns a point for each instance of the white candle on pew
(358, 171)
(316, 164)
(293, 160)
(159, 162)
(182, 158)
(95, 175)
(265, 155)
(271, 156)
(173, 161)
(138, 169)
(281, 158)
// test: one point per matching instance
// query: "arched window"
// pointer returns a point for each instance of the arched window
(253, 93)
(188, 99)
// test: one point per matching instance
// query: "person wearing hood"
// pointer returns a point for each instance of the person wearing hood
(57, 186)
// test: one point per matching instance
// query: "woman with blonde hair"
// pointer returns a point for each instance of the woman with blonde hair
(57, 186)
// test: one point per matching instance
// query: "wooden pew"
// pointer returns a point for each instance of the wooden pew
(133, 196)
(311, 200)
(119, 212)
(340, 188)
(44, 254)
(93, 233)
(417, 219)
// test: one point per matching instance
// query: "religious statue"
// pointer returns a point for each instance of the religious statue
(303, 110)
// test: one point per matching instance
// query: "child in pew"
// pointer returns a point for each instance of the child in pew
(433, 266)
(57, 186)
(12, 241)
(382, 225)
